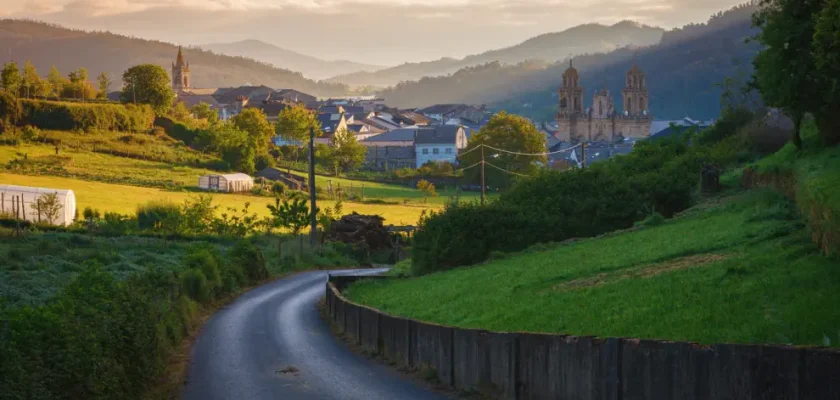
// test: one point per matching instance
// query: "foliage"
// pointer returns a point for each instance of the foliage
(827, 55)
(75, 116)
(294, 124)
(10, 78)
(31, 82)
(254, 122)
(155, 214)
(203, 111)
(291, 213)
(10, 110)
(509, 132)
(47, 205)
(56, 82)
(427, 188)
(148, 84)
(104, 85)
(347, 153)
(250, 258)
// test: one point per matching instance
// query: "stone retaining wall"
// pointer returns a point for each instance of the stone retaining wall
(539, 366)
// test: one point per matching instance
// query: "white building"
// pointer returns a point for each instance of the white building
(439, 144)
(22, 202)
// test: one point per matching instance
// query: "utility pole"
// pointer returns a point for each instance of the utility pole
(482, 174)
(313, 233)
(583, 155)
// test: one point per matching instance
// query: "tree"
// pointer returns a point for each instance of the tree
(10, 110)
(507, 132)
(79, 82)
(784, 68)
(428, 188)
(31, 80)
(292, 213)
(56, 81)
(293, 124)
(233, 145)
(104, 85)
(10, 77)
(348, 153)
(827, 54)
(48, 206)
(179, 112)
(148, 84)
(203, 110)
(254, 122)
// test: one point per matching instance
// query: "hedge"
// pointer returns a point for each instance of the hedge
(61, 115)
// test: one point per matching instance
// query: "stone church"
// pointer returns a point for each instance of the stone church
(601, 121)
(180, 73)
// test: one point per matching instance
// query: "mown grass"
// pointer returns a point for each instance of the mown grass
(124, 199)
(742, 271)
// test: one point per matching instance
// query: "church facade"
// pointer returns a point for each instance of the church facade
(601, 121)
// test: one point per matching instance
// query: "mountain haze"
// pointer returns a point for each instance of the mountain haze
(46, 45)
(682, 73)
(309, 66)
(549, 47)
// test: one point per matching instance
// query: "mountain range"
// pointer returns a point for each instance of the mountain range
(311, 67)
(682, 72)
(549, 47)
(46, 45)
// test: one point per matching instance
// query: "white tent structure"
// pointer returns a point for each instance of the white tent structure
(226, 183)
(22, 202)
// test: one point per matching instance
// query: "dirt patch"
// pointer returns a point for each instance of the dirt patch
(648, 271)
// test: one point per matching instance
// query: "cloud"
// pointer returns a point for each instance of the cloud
(371, 31)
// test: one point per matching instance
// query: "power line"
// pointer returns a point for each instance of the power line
(504, 170)
(466, 168)
(531, 154)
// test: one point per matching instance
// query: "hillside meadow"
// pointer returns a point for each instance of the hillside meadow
(124, 199)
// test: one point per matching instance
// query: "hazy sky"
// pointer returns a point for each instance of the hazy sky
(384, 32)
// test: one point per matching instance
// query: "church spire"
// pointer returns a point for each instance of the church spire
(180, 60)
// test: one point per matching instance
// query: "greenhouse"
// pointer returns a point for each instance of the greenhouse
(44, 205)
(226, 183)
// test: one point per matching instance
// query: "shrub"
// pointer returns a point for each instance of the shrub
(654, 219)
(156, 213)
(195, 285)
(30, 133)
(202, 259)
(251, 259)
(86, 116)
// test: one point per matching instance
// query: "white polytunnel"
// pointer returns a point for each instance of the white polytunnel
(22, 202)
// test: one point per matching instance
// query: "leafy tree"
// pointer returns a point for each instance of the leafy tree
(179, 112)
(254, 122)
(56, 81)
(79, 82)
(784, 67)
(11, 79)
(428, 188)
(31, 80)
(203, 111)
(507, 132)
(293, 123)
(234, 147)
(148, 84)
(348, 153)
(104, 84)
(292, 213)
(827, 53)
(10, 110)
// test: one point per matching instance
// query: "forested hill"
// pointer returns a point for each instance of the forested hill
(681, 74)
(549, 48)
(46, 45)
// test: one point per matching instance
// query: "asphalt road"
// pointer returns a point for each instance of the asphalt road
(271, 343)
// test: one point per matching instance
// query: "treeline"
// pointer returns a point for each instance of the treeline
(30, 85)
(658, 179)
(70, 116)
(681, 74)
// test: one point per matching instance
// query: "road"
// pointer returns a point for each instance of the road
(271, 343)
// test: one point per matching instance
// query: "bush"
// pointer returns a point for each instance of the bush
(156, 213)
(69, 116)
(251, 259)
(195, 285)
(202, 259)
(652, 220)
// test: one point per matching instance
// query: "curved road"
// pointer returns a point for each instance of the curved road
(271, 343)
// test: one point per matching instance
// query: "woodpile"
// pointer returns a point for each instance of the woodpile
(361, 230)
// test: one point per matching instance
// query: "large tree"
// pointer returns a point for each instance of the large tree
(293, 123)
(510, 134)
(79, 82)
(827, 54)
(31, 80)
(10, 78)
(785, 67)
(104, 85)
(56, 82)
(348, 154)
(148, 84)
(253, 121)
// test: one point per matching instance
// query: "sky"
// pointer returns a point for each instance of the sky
(380, 32)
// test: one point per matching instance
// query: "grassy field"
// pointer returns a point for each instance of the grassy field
(741, 271)
(124, 199)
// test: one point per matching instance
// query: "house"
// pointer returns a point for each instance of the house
(191, 100)
(439, 144)
(382, 122)
(403, 137)
(293, 96)
(330, 124)
(270, 108)
(454, 114)
(251, 93)
(390, 157)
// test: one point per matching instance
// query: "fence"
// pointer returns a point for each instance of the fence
(542, 366)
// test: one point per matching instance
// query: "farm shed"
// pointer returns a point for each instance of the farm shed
(22, 202)
(226, 183)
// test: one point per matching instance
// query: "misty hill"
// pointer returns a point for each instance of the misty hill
(46, 45)
(548, 47)
(682, 71)
(310, 66)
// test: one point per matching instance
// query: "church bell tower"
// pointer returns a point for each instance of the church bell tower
(180, 73)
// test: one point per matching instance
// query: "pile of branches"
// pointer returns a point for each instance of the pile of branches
(365, 231)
